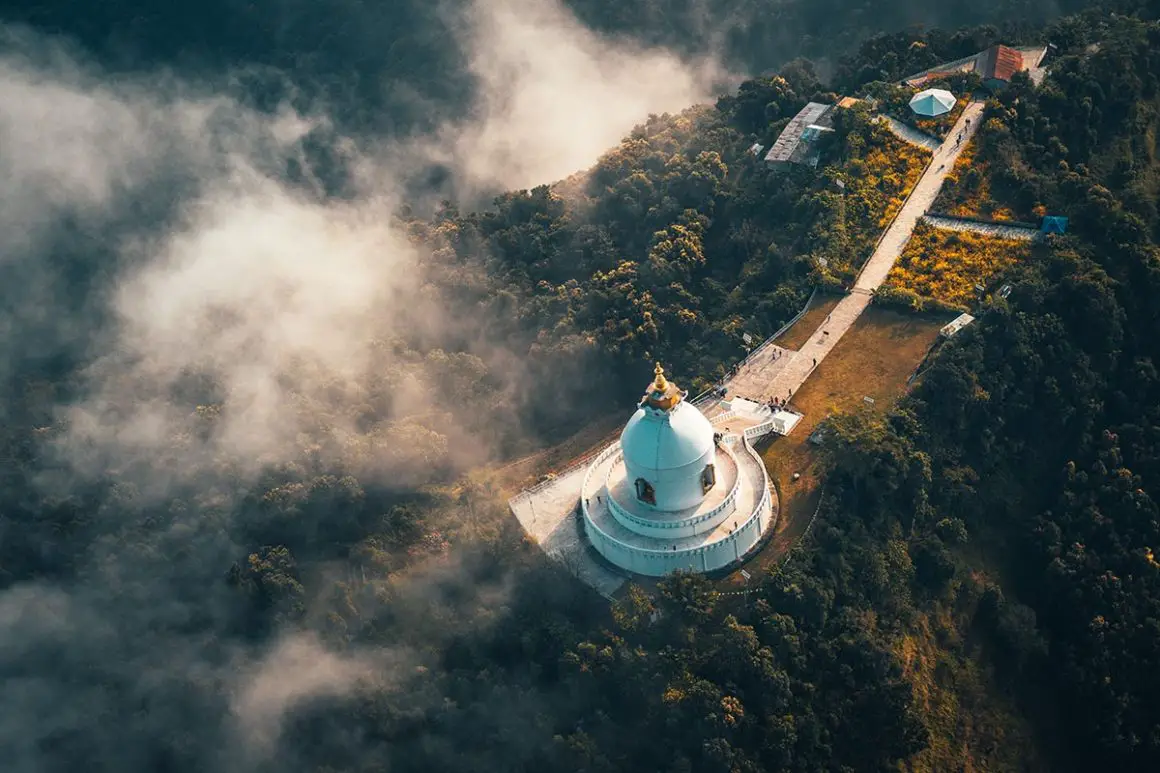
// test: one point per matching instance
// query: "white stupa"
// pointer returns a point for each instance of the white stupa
(675, 493)
(668, 450)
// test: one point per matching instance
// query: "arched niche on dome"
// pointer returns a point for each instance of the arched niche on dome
(645, 491)
(708, 478)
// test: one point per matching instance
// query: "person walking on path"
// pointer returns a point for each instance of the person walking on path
(815, 362)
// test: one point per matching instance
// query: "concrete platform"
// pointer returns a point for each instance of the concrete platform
(550, 515)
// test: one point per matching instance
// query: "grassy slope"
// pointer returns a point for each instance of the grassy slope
(873, 359)
(973, 725)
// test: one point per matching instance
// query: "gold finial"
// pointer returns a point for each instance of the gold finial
(660, 384)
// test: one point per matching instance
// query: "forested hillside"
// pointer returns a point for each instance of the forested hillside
(676, 243)
(980, 589)
(1037, 430)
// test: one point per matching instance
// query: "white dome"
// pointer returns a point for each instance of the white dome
(666, 440)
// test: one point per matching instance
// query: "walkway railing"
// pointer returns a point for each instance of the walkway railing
(722, 417)
(603, 454)
(572, 467)
(753, 353)
(757, 430)
(781, 330)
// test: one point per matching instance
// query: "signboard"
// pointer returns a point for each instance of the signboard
(868, 400)
(748, 339)
(745, 575)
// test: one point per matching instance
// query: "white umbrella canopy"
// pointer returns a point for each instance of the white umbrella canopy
(932, 102)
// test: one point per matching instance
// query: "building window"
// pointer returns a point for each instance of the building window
(708, 478)
(645, 492)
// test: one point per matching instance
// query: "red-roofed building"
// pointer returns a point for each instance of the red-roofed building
(997, 64)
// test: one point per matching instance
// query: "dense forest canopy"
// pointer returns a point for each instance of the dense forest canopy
(250, 391)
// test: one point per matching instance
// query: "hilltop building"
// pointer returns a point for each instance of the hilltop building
(797, 142)
(995, 66)
(675, 492)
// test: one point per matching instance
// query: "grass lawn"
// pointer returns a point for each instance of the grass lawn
(804, 327)
(874, 359)
(946, 265)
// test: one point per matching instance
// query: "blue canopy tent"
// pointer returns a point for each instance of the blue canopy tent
(1053, 224)
(932, 102)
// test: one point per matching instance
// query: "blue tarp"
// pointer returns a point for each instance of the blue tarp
(1054, 224)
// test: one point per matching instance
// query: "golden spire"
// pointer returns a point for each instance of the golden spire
(662, 393)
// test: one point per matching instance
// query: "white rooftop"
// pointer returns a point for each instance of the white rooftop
(667, 440)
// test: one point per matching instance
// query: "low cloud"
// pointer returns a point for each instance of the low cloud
(296, 670)
(274, 298)
(553, 95)
(258, 286)
(228, 313)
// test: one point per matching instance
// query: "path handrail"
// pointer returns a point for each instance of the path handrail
(753, 352)
(757, 430)
(781, 330)
(572, 467)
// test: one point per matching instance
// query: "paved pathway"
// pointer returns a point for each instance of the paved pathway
(549, 515)
(919, 201)
(998, 230)
(782, 377)
(910, 134)
(752, 380)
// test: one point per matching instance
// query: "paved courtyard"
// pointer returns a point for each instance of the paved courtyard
(550, 517)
